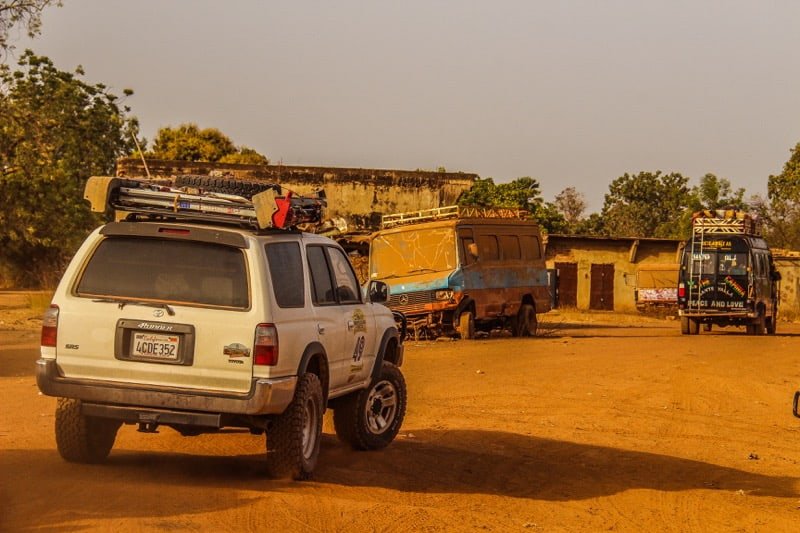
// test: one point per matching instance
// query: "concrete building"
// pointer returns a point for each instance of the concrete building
(600, 273)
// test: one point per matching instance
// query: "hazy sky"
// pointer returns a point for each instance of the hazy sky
(573, 93)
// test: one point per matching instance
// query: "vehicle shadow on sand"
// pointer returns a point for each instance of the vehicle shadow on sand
(48, 492)
(509, 464)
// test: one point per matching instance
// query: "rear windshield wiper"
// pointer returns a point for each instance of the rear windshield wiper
(121, 303)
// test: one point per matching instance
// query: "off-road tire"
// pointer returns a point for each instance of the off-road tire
(466, 325)
(293, 437)
(244, 188)
(694, 326)
(526, 324)
(80, 438)
(355, 416)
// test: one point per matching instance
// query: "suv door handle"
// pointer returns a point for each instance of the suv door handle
(320, 329)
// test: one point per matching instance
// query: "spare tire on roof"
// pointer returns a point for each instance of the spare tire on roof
(239, 187)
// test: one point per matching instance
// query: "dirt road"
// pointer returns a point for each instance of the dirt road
(602, 424)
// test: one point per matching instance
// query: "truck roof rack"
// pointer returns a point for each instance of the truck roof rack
(151, 199)
(451, 211)
(725, 221)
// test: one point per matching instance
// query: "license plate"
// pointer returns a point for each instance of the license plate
(155, 346)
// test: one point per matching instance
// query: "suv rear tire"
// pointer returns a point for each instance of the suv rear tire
(370, 419)
(293, 437)
(80, 438)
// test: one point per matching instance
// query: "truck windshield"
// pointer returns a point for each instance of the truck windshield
(413, 252)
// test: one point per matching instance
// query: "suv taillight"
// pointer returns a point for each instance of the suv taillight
(681, 290)
(266, 345)
(50, 326)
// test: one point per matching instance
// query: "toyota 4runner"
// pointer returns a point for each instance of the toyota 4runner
(199, 311)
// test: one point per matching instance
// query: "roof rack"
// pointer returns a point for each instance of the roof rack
(451, 211)
(149, 199)
(725, 221)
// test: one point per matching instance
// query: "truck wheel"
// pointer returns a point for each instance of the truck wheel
(526, 323)
(684, 325)
(707, 326)
(760, 325)
(466, 325)
(244, 188)
(370, 419)
(771, 325)
(80, 438)
(293, 437)
(694, 326)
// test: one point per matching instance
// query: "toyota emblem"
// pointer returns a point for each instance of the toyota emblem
(403, 299)
(158, 313)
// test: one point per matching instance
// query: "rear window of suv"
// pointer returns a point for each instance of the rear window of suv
(185, 272)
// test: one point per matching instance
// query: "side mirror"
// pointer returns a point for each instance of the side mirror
(378, 292)
(776, 276)
(472, 248)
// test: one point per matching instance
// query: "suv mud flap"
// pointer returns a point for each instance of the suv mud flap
(795, 406)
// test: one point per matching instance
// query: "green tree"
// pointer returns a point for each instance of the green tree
(711, 193)
(188, 142)
(717, 193)
(648, 204)
(55, 131)
(25, 13)
(521, 193)
(245, 156)
(782, 216)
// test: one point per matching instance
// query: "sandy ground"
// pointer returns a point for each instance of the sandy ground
(603, 423)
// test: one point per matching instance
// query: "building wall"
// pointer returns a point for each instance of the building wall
(627, 255)
(788, 264)
(358, 195)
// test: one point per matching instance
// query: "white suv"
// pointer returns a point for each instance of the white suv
(200, 326)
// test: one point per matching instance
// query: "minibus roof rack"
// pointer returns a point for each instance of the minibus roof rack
(725, 222)
(451, 211)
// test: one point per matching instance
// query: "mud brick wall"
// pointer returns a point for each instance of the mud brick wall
(627, 255)
(358, 195)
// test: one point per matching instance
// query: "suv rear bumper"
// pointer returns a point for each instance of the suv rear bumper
(266, 396)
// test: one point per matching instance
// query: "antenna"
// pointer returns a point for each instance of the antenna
(141, 154)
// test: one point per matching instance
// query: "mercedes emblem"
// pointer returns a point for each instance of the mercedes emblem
(403, 299)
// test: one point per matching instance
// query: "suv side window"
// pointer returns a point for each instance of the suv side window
(286, 269)
(321, 284)
(347, 288)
